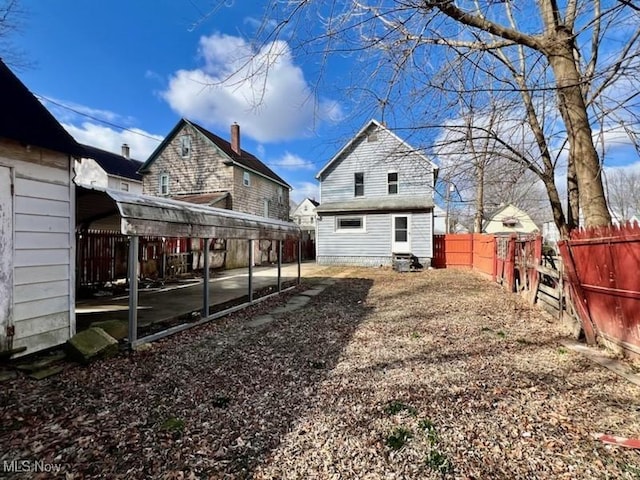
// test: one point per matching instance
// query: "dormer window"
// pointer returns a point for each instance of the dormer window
(509, 222)
(185, 146)
(358, 178)
(392, 183)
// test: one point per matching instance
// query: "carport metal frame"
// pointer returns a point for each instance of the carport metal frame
(142, 215)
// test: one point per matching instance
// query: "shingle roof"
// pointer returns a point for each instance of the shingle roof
(377, 204)
(245, 159)
(114, 164)
(25, 119)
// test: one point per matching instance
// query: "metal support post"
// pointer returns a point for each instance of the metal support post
(205, 296)
(299, 259)
(133, 288)
(251, 259)
(279, 266)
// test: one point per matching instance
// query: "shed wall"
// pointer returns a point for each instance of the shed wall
(43, 287)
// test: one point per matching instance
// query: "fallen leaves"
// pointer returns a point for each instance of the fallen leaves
(383, 375)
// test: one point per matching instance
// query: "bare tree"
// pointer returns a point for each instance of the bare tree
(623, 191)
(11, 18)
(556, 59)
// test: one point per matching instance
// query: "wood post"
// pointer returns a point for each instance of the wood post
(133, 288)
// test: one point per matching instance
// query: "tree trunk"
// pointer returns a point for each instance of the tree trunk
(582, 152)
(573, 197)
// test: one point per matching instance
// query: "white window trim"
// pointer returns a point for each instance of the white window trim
(160, 183)
(363, 229)
(246, 178)
(397, 182)
(124, 186)
(185, 140)
(355, 185)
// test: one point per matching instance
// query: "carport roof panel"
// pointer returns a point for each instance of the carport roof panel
(159, 216)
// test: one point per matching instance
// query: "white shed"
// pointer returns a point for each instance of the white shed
(37, 224)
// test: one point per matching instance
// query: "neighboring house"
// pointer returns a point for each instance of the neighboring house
(193, 161)
(194, 165)
(104, 169)
(509, 219)
(37, 223)
(376, 201)
(305, 215)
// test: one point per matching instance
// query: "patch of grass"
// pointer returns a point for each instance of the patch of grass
(632, 469)
(173, 425)
(395, 406)
(562, 350)
(398, 438)
(524, 341)
(428, 427)
(486, 329)
(501, 334)
(416, 335)
(438, 462)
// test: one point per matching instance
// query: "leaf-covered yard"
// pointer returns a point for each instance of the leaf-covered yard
(438, 374)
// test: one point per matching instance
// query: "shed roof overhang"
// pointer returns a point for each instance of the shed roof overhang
(163, 217)
(378, 204)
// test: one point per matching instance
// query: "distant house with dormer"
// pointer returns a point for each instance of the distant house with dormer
(305, 215)
(376, 201)
(100, 168)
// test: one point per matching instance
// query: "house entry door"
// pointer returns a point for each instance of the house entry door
(401, 234)
(6, 253)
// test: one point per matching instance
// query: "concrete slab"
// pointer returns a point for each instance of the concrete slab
(91, 344)
(46, 372)
(118, 329)
(312, 292)
(294, 303)
(260, 320)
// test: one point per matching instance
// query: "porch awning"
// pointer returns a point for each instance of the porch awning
(163, 217)
(390, 203)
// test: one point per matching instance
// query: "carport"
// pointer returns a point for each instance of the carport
(139, 215)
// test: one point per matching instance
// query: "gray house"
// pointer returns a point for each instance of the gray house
(376, 201)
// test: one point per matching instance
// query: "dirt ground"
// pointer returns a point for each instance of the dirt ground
(436, 374)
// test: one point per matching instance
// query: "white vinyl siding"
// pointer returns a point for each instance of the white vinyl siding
(43, 282)
(376, 160)
(375, 242)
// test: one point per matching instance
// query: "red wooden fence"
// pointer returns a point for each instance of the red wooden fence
(465, 250)
(603, 268)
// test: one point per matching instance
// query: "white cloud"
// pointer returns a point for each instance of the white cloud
(66, 111)
(141, 143)
(289, 161)
(302, 190)
(260, 88)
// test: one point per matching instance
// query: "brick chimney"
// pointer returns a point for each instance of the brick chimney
(235, 138)
(125, 150)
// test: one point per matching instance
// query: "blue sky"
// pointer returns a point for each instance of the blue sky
(142, 65)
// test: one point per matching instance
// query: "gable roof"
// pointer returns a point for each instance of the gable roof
(26, 120)
(245, 159)
(114, 164)
(519, 214)
(361, 132)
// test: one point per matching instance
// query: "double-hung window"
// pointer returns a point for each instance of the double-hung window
(185, 146)
(164, 184)
(246, 179)
(392, 183)
(358, 183)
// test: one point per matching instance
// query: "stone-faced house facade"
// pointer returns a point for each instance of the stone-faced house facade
(193, 164)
